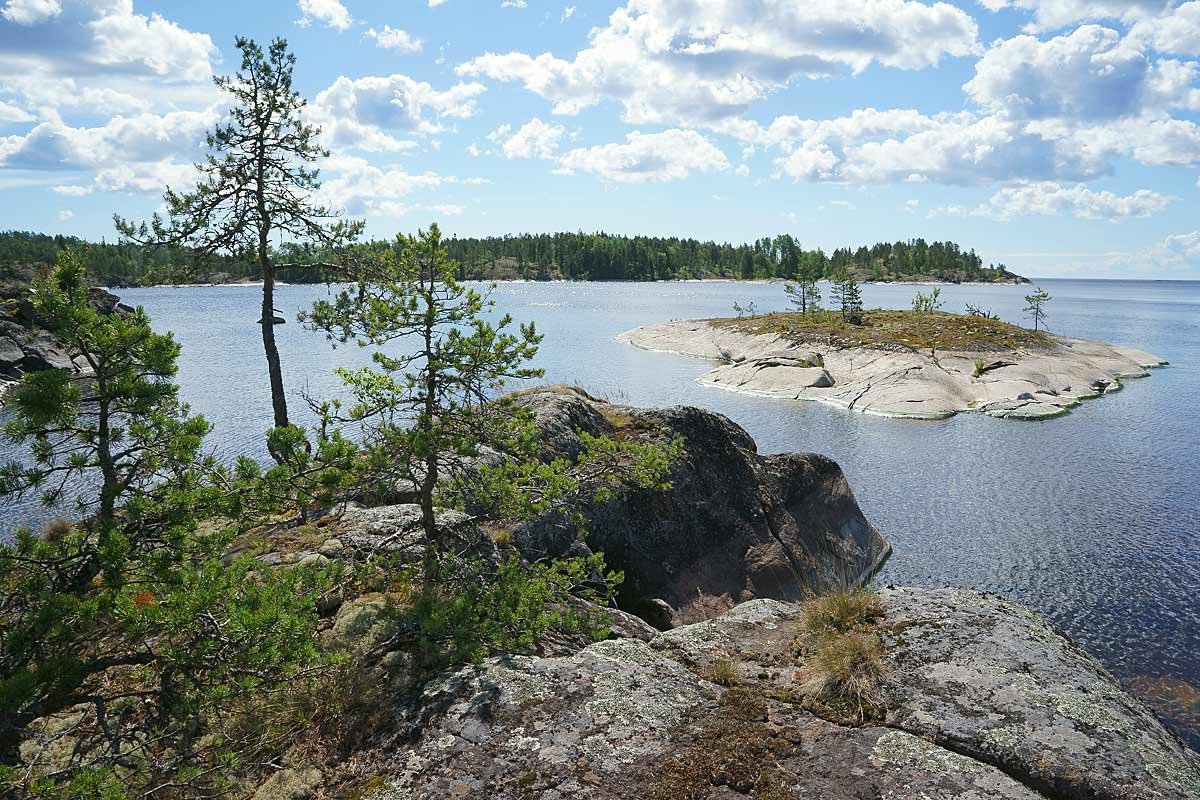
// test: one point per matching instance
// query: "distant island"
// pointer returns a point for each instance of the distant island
(904, 364)
(559, 256)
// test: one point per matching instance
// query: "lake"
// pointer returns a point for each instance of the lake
(1092, 519)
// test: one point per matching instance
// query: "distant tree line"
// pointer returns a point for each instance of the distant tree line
(571, 256)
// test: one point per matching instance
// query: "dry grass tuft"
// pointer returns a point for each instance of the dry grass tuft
(842, 611)
(842, 654)
(56, 529)
(845, 673)
(723, 673)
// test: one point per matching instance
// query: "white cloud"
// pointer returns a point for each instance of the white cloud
(395, 39)
(65, 215)
(904, 145)
(330, 12)
(1175, 31)
(10, 113)
(1053, 14)
(448, 209)
(54, 145)
(534, 139)
(99, 55)
(436, 3)
(1178, 252)
(1048, 198)
(30, 12)
(364, 113)
(703, 60)
(514, 4)
(667, 156)
(567, 13)
(363, 188)
(1091, 73)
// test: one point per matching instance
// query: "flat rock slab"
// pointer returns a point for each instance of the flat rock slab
(902, 382)
(985, 699)
(988, 678)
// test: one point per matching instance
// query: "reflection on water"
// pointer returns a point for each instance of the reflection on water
(1092, 518)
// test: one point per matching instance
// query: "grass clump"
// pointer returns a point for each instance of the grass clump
(842, 653)
(845, 672)
(842, 611)
(723, 673)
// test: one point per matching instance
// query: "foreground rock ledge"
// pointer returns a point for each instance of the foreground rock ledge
(984, 698)
(903, 382)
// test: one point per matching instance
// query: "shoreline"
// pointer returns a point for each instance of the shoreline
(745, 281)
(901, 383)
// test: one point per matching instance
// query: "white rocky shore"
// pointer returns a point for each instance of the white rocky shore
(898, 381)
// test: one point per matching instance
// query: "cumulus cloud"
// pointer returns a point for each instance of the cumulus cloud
(1091, 73)
(395, 39)
(1048, 198)
(667, 156)
(1177, 30)
(567, 13)
(30, 12)
(331, 12)
(534, 139)
(365, 113)
(1053, 14)
(54, 145)
(100, 55)
(703, 60)
(362, 188)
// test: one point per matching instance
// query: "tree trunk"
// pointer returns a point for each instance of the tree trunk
(278, 398)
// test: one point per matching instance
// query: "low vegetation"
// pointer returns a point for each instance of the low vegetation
(841, 651)
(923, 330)
(147, 651)
(735, 750)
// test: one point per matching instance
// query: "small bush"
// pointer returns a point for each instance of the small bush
(723, 673)
(502, 537)
(56, 529)
(980, 368)
(845, 673)
(841, 611)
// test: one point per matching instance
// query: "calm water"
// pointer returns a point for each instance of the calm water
(1092, 518)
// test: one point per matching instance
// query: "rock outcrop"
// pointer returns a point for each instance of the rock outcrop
(900, 381)
(735, 525)
(25, 346)
(984, 700)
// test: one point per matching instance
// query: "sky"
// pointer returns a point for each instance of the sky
(1059, 137)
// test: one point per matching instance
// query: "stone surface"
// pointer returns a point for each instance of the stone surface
(985, 700)
(901, 381)
(989, 679)
(397, 530)
(734, 524)
(24, 345)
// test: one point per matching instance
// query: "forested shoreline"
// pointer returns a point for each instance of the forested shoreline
(559, 256)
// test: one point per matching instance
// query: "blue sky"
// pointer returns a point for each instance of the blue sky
(1057, 136)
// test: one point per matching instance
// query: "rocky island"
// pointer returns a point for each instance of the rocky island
(901, 364)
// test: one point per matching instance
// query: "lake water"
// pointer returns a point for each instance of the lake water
(1092, 518)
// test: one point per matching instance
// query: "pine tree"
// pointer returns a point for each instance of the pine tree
(131, 617)
(257, 181)
(1035, 307)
